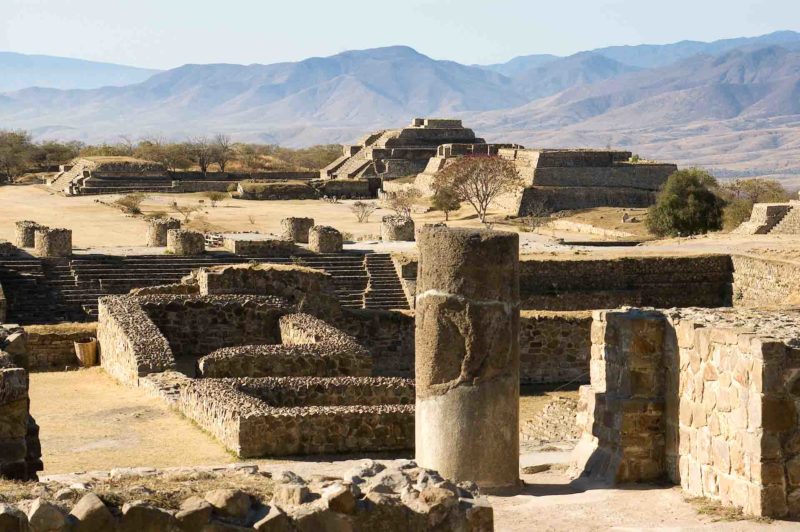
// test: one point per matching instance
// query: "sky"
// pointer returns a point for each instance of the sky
(168, 33)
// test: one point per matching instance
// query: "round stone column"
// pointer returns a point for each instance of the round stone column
(25, 233)
(324, 239)
(185, 243)
(157, 230)
(397, 228)
(467, 356)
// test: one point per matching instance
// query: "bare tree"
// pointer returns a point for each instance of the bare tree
(363, 210)
(201, 153)
(222, 151)
(479, 181)
(537, 215)
(185, 210)
(403, 201)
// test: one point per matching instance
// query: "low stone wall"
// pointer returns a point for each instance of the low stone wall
(759, 282)
(702, 281)
(131, 345)
(305, 289)
(276, 191)
(197, 325)
(707, 398)
(20, 452)
(52, 347)
(308, 347)
(575, 198)
(370, 414)
(345, 188)
(262, 247)
(387, 334)
(554, 347)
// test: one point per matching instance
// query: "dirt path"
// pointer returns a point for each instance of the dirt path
(88, 421)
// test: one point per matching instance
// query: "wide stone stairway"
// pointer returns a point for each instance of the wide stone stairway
(57, 290)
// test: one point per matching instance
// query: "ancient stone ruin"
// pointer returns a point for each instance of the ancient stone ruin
(772, 218)
(26, 233)
(397, 153)
(467, 355)
(52, 242)
(185, 243)
(157, 229)
(297, 229)
(397, 228)
(705, 398)
(324, 239)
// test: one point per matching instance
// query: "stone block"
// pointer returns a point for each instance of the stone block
(53, 242)
(324, 239)
(185, 243)
(397, 228)
(297, 229)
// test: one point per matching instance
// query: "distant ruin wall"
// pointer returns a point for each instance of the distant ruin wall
(635, 176)
(703, 281)
(575, 198)
(765, 282)
(554, 347)
(387, 334)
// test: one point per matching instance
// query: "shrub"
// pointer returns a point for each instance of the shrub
(403, 201)
(687, 205)
(363, 210)
(215, 197)
(131, 203)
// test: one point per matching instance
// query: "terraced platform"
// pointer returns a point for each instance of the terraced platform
(58, 290)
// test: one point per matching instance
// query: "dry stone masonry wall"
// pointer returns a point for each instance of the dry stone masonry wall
(52, 242)
(185, 243)
(397, 228)
(324, 239)
(157, 229)
(296, 229)
(26, 233)
(707, 398)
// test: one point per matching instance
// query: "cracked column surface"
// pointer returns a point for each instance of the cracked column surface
(467, 355)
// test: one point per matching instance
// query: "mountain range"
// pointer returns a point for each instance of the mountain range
(731, 105)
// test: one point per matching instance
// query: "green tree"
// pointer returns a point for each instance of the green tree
(686, 205)
(446, 200)
(16, 153)
(742, 194)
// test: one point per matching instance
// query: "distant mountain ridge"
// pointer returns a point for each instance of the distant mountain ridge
(20, 71)
(733, 105)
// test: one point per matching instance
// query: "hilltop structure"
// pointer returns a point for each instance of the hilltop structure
(394, 153)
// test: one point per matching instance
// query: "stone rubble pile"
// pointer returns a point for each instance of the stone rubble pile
(402, 498)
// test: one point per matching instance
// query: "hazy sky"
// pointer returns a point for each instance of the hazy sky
(168, 33)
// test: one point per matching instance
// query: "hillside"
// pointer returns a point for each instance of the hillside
(20, 71)
(732, 105)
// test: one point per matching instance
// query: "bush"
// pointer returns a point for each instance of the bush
(215, 196)
(363, 210)
(131, 203)
(687, 205)
(445, 200)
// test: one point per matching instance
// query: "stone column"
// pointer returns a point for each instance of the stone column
(397, 228)
(157, 230)
(324, 239)
(53, 242)
(296, 229)
(467, 355)
(187, 243)
(26, 230)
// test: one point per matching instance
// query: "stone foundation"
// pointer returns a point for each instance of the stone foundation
(296, 229)
(397, 228)
(324, 239)
(185, 243)
(52, 242)
(52, 347)
(157, 229)
(281, 416)
(759, 282)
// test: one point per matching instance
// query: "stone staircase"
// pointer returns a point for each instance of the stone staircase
(789, 224)
(384, 290)
(52, 291)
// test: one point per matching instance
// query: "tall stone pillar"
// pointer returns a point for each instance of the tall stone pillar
(467, 355)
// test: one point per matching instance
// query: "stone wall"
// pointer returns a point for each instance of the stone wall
(3, 305)
(387, 334)
(703, 281)
(259, 247)
(52, 242)
(52, 347)
(554, 347)
(358, 414)
(157, 229)
(197, 325)
(759, 282)
(20, 452)
(706, 398)
(131, 346)
(185, 243)
(324, 239)
(308, 347)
